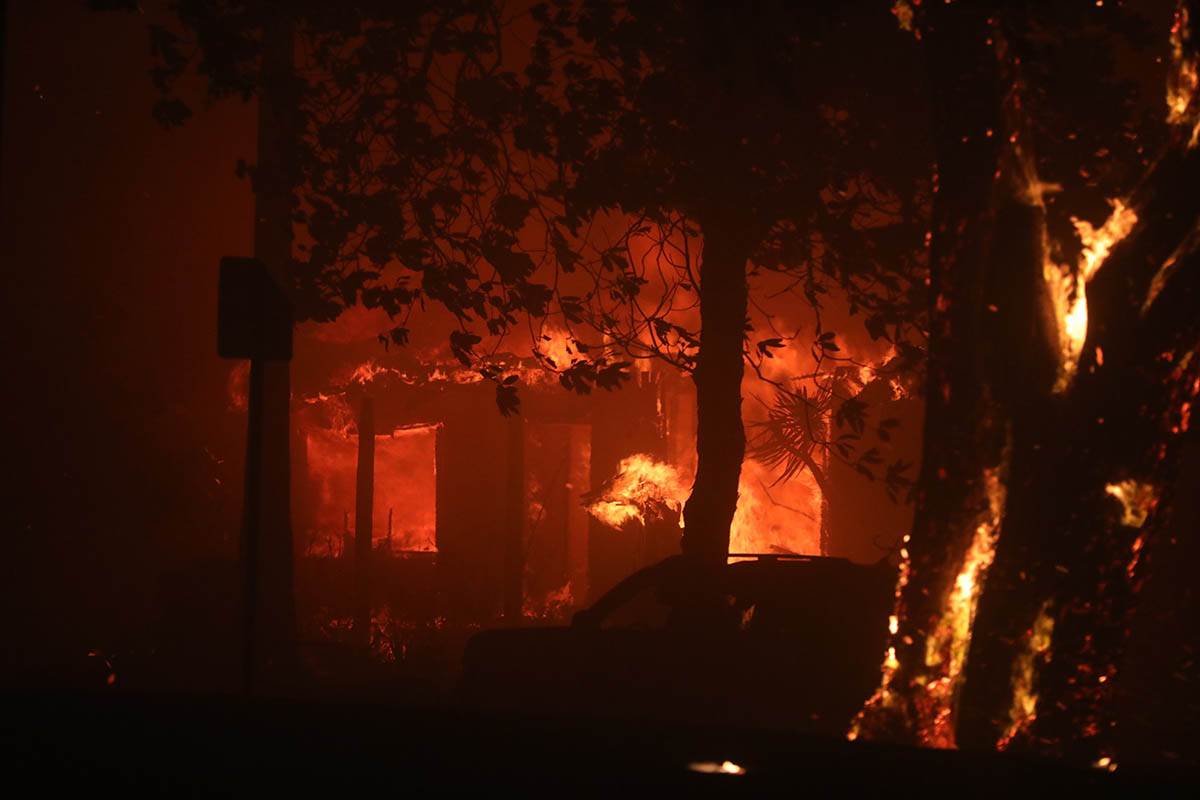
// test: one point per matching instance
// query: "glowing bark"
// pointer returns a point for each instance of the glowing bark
(965, 458)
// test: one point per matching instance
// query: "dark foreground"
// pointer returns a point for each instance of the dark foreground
(121, 744)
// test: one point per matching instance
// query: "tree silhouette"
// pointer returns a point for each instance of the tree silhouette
(655, 111)
(428, 167)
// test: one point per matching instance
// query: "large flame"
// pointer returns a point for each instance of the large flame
(639, 491)
(644, 488)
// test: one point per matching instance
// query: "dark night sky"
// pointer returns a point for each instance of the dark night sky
(112, 228)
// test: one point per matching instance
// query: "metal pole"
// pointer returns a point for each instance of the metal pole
(364, 510)
(251, 525)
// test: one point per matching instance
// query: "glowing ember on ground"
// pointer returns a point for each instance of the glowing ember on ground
(717, 768)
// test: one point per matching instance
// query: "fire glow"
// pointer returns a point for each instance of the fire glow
(884, 697)
(644, 488)
(1023, 711)
(641, 490)
(946, 648)
(405, 517)
(1068, 290)
(932, 713)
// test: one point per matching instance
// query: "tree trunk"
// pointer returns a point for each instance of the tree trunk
(987, 355)
(720, 436)
(1054, 619)
(1045, 480)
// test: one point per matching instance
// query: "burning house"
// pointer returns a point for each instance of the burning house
(475, 516)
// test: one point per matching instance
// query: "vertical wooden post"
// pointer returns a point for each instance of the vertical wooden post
(364, 510)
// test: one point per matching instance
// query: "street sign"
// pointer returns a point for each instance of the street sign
(254, 317)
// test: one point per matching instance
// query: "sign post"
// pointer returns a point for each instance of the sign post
(254, 322)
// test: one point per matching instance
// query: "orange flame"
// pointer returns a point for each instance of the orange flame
(644, 486)
(1068, 289)
(1023, 711)
(947, 645)
(946, 648)
(555, 347)
(1098, 242)
(640, 486)
(554, 606)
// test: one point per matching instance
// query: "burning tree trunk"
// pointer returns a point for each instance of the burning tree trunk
(966, 439)
(1048, 453)
(1097, 458)
(720, 436)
